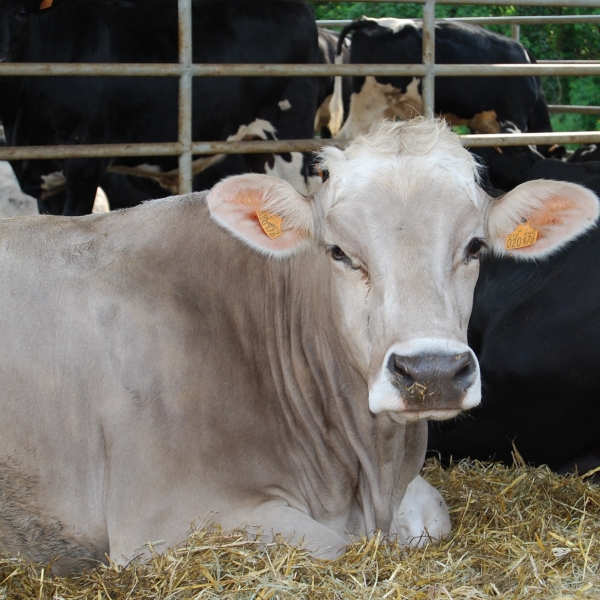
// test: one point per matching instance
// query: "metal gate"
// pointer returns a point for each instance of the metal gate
(185, 70)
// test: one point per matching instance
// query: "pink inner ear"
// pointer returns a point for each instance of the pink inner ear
(235, 206)
(559, 219)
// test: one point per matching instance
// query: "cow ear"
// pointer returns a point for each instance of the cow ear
(265, 212)
(539, 217)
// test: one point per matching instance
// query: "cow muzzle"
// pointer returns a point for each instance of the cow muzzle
(427, 383)
(432, 381)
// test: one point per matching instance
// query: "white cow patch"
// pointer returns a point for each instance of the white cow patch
(285, 105)
(394, 25)
(589, 150)
(291, 171)
(376, 102)
(13, 202)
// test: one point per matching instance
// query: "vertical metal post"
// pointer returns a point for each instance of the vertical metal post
(428, 57)
(516, 32)
(185, 95)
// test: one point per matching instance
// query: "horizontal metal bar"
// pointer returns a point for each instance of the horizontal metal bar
(500, 70)
(524, 139)
(525, 20)
(266, 146)
(541, 3)
(287, 70)
(164, 149)
(579, 110)
(90, 151)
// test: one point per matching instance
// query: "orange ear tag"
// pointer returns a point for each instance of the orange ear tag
(45, 4)
(524, 235)
(271, 224)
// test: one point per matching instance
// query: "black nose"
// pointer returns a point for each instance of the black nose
(433, 381)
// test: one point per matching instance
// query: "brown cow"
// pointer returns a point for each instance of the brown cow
(250, 356)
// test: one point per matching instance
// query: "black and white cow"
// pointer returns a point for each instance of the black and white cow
(122, 110)
(328, 47)
(388, 40)
(585, 153)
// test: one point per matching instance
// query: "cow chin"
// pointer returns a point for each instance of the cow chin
(426, 378)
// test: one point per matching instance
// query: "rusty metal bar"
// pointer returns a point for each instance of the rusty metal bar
(428, 84)
(287, 70)
(515, 32)
(574, 109)
(185, 177)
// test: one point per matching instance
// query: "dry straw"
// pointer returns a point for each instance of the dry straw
(518, 533)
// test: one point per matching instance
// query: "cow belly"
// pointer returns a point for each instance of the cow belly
(51, 442)
(30, 527)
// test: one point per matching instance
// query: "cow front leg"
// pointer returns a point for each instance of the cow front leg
(297, 528)
(83, 178)
(422, 516)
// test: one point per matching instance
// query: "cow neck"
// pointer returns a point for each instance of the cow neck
(352, 452)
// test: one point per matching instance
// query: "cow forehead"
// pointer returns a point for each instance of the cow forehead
(406, 172)
(392, 208)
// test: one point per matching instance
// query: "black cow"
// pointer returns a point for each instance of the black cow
(123, 110)
(516, 99)
(551, 168)
(536, 331)
(507, 166)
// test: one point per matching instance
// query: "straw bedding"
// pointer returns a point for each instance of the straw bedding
(518, 532)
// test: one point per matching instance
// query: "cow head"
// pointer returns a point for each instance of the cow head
(401, 224)
(14, 18)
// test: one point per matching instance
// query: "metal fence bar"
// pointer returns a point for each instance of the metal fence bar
(541, 3)
(558, 20)
(186, 70)
(264, 146)
(524, 139)
(428, 84)
(287, 70)
(574, 109)
(185, 177)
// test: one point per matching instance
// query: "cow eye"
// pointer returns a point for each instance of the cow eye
(337, 253)
(474, 247)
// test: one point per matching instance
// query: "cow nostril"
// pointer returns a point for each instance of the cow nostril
(401, 370)
(464, 374)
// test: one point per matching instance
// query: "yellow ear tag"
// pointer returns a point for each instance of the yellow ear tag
(45, 4)
(524, 235)
(271, 224)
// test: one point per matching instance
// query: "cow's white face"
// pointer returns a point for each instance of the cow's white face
(403, 222)
(404, 236)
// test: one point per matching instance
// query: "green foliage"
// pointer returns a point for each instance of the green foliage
(578, 41)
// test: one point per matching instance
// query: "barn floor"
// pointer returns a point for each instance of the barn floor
(518, 533)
